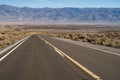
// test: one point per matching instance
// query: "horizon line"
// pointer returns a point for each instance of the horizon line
(55, 7)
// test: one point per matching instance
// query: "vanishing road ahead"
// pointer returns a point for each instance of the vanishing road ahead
(45, 58)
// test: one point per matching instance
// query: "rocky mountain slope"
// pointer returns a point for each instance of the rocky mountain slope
(13, 13)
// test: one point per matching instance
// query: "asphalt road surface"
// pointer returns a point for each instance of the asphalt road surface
(33, 59)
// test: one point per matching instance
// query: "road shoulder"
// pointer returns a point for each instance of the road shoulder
(92, 46)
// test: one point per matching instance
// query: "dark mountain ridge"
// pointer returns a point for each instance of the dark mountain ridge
(13, 13)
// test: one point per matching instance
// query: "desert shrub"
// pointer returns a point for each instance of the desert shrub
(8, 37)
(110, 39)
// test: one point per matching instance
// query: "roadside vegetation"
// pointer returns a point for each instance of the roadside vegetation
(8, 37)
(108, 38)
(106, 35)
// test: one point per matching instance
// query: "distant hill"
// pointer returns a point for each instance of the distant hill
(13, 13)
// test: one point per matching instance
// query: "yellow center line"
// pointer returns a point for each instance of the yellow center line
(72, 60)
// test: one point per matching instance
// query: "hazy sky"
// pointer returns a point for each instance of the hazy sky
(62, 3)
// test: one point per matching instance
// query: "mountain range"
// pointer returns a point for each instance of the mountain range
(67, 14)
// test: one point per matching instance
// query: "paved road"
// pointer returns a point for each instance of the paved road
(105, 65)
(36, 60)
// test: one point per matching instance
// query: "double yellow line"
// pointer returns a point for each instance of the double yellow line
(72, 60)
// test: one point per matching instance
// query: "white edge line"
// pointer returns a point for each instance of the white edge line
(13, 49)
(72, 60)
(96, 49)
(7, 48)
(101, 50)
(104, 51)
